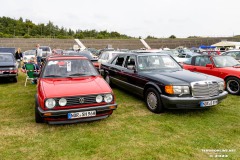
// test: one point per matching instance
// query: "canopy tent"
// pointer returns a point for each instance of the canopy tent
(206, 47)
(225, 44)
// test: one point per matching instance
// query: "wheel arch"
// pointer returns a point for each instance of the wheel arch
(151, 84)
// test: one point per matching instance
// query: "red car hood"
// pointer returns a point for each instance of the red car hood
(64, 87)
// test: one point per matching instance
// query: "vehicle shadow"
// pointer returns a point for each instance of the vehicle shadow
(5, 81)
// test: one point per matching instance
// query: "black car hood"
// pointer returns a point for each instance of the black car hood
(177, 77)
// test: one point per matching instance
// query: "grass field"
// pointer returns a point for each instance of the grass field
(132, 132)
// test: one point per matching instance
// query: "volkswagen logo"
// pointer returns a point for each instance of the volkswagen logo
(81, 100)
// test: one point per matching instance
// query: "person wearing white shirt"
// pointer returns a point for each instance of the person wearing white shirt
(38, 55)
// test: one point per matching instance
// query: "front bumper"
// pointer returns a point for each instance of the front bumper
(60, 116)
(189, 102)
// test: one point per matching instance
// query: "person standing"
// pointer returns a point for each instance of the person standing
(18, 57)
(39, 55)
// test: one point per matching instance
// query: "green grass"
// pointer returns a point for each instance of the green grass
(132, 132)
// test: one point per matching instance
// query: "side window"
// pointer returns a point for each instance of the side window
(130, 62)
(101, 56)
(202, 61)
(118, 61)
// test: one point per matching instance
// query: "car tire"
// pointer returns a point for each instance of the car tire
(233, 85)
(38, 118)
(153, 100)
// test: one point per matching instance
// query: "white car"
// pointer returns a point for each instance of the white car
(27, 55)
(107, 55)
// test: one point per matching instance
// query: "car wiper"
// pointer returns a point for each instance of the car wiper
(52, 75)
(81, 74)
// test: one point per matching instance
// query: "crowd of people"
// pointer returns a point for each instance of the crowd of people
(35, 61)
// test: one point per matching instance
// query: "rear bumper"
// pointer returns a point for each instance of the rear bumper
(8, 75)
(189, 102)
(61, 116)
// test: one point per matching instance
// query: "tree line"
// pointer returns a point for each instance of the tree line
(10, 28)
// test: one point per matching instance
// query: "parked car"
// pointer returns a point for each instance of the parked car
(162, 82)
(27, 55)
(234, 53)
(8, 66)
(211, 52)
(46, 51)
(86, 54)
(70, 90)
(107, 55)
(225, 67)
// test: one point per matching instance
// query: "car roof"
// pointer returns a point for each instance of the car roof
(65, 57)
(143, 53)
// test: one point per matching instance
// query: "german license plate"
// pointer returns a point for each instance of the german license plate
(208, 103)
(81, 114)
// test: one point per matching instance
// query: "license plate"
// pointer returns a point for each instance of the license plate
(208, 103)
(81, 114)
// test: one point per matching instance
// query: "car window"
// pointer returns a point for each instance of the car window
(225, 61)
(68, 68)
(118, 61)
(154, 62)
(6, 58)
(202, 61)
(45, 48)
(130, 62)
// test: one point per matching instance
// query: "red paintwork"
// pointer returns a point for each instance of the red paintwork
(74, 86)
(218, 72)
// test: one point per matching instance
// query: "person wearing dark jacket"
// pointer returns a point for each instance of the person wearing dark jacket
(18, 57)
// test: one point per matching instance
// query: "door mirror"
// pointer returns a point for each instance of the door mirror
(209, 65)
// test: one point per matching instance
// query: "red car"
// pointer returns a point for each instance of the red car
(225, 67)
(70, 90)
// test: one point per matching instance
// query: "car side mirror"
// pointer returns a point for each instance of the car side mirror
(36, 74)
(209, 65)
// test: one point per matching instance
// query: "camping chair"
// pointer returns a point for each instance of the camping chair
(29, 72)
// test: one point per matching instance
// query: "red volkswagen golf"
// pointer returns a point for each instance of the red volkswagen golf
(70, 90)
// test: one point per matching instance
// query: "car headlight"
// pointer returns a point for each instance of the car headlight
(62, 102)
(50, 103)
(177, 89)
(221, 85)
(99, 99)
(108, 98)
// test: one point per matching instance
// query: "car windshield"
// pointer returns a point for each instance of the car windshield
(45, 48)
(6, 58)
(69, 68)
(225, 61)
(29, 52)
(155, 62)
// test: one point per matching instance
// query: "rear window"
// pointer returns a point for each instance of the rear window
(45, 48)
(6, 58)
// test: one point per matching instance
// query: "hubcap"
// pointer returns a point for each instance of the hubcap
(152, 100)
(233, 86)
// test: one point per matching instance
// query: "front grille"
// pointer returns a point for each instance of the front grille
(78, 100)
(205, 89)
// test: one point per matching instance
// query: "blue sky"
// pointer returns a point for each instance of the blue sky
(159, 18)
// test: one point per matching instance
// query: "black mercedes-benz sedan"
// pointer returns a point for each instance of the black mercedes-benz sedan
(162, 82)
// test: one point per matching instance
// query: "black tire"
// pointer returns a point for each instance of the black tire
(38, 118)
(233, 85)
(153, 100)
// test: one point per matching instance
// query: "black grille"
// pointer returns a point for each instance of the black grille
(78, 100)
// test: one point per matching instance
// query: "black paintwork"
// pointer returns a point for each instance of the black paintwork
(137, 81)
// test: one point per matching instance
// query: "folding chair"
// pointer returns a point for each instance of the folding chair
(29, 72)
